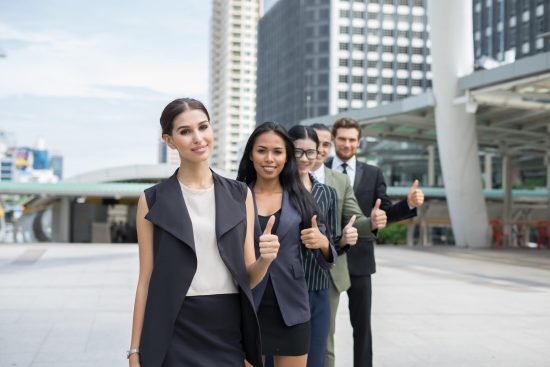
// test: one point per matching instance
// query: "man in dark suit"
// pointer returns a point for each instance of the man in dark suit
(368, 185)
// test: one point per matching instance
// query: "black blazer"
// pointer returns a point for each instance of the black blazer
(286, 271)
(369, 185)
(175, 263)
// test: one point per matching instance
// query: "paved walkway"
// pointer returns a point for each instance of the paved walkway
(70, 305)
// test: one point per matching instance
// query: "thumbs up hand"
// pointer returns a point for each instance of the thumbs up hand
(415, 197)
(378, 217)
(349, 233)
(269, 243)
(312, 238)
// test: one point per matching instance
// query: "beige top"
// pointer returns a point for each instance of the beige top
(212, 276)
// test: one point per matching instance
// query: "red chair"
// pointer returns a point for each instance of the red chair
(543, 233)
(497, 232)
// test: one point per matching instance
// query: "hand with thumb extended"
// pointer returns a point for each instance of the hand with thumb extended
(269, 243)
(312, 237)
(378, 217)
(349, 233)
(415, 197)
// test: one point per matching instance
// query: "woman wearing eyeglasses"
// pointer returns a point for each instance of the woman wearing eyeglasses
(306, 144)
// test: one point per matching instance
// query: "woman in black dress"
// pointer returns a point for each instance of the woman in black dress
(287, 210)
(193, 303)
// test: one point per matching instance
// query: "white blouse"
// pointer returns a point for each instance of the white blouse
(212, 276)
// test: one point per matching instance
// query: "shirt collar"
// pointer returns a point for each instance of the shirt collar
(319, 173)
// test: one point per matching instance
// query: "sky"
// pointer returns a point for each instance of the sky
(92, 77)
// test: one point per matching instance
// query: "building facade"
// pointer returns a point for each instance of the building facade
(319, 57)
(232, 86)
(506, 30)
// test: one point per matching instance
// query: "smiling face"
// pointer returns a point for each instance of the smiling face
(305, 147)
(268, 155)
(191, 136)
(346, 142)
(325, 144)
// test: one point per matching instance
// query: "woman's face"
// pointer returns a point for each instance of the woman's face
(306, 154)
(192, 136)
(268, 155)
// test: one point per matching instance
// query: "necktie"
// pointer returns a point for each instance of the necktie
(344, 166)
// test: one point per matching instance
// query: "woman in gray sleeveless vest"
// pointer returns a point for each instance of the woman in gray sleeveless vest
(193, 304)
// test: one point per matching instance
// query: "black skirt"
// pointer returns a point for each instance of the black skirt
(207, 333)
(277, 338)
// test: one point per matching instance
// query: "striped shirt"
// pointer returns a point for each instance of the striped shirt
(326, 199)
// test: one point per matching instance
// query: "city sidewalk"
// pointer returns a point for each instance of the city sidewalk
(70, 305)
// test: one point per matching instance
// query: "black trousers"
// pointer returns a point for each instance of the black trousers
(360, 302)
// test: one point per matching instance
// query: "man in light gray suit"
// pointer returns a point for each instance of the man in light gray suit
(347, 208)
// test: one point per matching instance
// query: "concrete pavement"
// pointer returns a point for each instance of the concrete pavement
(70, 305)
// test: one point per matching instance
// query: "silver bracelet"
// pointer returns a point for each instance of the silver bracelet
(131, 351)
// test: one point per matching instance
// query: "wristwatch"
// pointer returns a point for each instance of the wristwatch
(131, 351)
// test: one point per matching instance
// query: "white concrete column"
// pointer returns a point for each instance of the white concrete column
(61, 220)
(431, 166)
(452, 57)
(488, 181)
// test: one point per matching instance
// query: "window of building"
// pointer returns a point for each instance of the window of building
(387, 65)
(323, 79)
(323, 62)
(343, 62)
(387, 81)
(402, 50)
(358, 79)
(372, 64)
(344, 46)
(344, 29)
(372, 48)
(343, 94)
(358, 30)
(372, 80)
(323, 46)
(417, 66)
(357, 95)
(359, 14)
(402, 82)
(343, 78)
(417, 51)
(322, 110)
(358, 63)
(344, 13)
(324, 14)
(387, 97)
(310, 47)
(372, 96)
(322, 95)
(324, 30)
(358, 47)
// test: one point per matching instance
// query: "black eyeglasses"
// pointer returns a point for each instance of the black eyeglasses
(310, 153)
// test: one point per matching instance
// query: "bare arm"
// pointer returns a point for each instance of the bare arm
(145, 243)
(257, 268)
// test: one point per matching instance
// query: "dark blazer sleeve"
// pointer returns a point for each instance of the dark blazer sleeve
(395, 212)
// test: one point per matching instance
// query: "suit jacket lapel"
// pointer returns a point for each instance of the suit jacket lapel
(359, 172)
(229, 211)
(169, 211)
(287, 217)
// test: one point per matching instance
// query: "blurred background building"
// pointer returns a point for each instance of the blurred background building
(232, 88)
(323, 57)
(506, 30)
